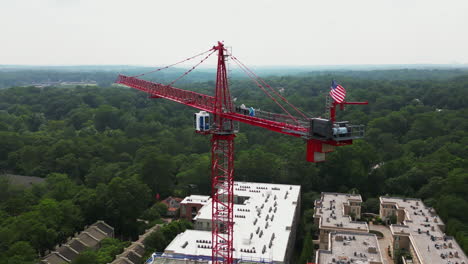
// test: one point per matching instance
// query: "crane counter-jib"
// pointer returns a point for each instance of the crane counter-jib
(206, 103)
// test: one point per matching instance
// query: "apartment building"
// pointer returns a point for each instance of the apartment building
(350, 247)
(420, 231)
(190, 206)
(335, 212)
(265, 222)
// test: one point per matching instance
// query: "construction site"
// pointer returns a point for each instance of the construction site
(245, 222)
(265, 223)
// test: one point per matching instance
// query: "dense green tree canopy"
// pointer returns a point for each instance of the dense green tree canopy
(106, 152)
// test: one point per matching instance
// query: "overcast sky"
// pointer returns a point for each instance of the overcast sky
(260, 32)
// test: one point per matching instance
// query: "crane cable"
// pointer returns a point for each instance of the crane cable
(261, 87)
(193, 68)
(168, 66)
(271, 88)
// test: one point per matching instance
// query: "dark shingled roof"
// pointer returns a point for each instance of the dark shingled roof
(139, 249)
(133, 257)
(108, 230)
(67, 252)
(77, 245)
(96, 233)
(87, 239)
(54, 258)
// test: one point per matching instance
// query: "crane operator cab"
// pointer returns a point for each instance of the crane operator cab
(201, 121)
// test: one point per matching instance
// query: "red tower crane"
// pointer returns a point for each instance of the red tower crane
(322, 135)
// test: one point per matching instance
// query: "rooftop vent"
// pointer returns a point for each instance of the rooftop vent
(372, 250)
(185, 244)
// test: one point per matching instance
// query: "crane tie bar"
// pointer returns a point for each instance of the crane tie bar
(168, 66)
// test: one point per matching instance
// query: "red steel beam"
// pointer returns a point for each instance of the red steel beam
(207, 103)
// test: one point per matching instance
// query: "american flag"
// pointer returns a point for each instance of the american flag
(337, 92)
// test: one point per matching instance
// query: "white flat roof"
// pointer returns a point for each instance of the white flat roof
(275, 202)
(199, 199)
(330, 210)
(421, 224)
(358, 248)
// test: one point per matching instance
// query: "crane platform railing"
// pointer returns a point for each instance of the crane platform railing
(299, 121)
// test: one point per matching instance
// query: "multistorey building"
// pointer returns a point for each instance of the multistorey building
(420, 231)
(265, 222)
(350, 247)
(190, 206)
(335, 212)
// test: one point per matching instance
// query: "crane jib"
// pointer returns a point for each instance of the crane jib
(207, 103)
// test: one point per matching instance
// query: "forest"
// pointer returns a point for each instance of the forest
(107, 152)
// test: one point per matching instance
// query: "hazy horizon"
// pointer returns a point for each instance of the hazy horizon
(261, 33)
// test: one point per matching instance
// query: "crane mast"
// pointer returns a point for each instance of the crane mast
(222, 168)
(321, 135)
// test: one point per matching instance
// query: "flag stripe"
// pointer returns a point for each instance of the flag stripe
(337, 92)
